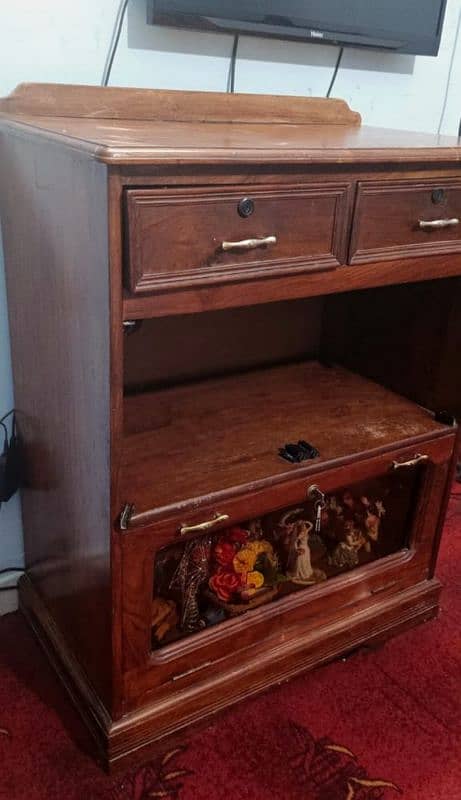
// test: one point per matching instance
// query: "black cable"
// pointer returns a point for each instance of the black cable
(335, 71)
(114, 42)
(5, 416)
(233, 61)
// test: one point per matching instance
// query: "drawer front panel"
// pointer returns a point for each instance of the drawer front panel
(191, 600)
(181, 238)
(405, 218)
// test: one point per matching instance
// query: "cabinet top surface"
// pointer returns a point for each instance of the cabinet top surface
(130, 126)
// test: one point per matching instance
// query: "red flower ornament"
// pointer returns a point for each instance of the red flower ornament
(224, 583)
(239, 535)
(224, 552)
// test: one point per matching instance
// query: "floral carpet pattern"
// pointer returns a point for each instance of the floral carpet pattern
(381, 725)
(161, 777)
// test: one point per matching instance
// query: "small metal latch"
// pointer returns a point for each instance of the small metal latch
(127, 512)
(131, 325)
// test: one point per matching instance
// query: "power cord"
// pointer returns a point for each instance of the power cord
(335, 71)
(114, 41)
(233, 61)
(10, 459)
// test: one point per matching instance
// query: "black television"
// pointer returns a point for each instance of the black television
(403, 26)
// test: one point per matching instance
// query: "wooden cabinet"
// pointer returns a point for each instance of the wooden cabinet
(230, 386)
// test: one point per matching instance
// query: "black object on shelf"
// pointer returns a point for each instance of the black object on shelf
(295, 453)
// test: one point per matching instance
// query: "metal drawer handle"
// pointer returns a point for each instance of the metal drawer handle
(438, 223)
(249, 244)
(417, 459)
(203, 526)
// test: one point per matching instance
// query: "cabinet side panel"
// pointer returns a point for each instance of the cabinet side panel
(54, 223)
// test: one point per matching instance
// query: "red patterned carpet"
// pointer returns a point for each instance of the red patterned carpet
(379, 726)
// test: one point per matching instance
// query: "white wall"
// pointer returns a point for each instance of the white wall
(66, 42)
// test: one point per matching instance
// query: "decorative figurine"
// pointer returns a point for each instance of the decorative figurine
(296, 533)
(346, 553)
(192, 572)
(222, 575)
(360, 529)
(373, 519)
(299, 567)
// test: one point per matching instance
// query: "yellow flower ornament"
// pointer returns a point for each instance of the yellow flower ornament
(244, 560)
(260, 546)
(255, 580)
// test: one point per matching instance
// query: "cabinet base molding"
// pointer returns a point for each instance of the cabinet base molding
(63, 661)
(141, 733)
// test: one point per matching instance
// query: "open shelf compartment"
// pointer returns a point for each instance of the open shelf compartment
(212, 436)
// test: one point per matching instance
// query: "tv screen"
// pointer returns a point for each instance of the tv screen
(405, 26)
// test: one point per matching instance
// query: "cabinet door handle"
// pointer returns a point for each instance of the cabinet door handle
(438, 223)
(203, 526)
(249, 244)
(417, 459)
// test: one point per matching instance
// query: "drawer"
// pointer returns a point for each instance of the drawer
(406, 218)
(220, 582)
(178, 238)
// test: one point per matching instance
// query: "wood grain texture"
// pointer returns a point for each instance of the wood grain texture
(313, 284)
(67, 666)
(142, 733)
(204, 143)
(183, 451)
(310, 224)
(406, 337)
(115, 266)
(366, 622)
(197, 346)
(148, 671)
(252, 500)
(222, 433)
(387, 216)
(58, 299)
(215, 128)
(55, 99)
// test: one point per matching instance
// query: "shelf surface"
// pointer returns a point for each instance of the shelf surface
(193, 440)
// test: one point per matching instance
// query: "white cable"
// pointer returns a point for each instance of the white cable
(450, 70)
